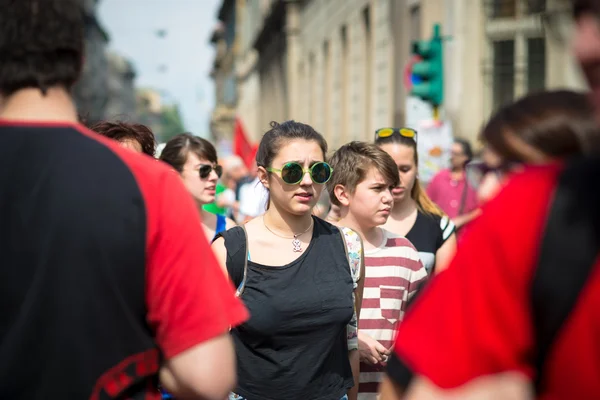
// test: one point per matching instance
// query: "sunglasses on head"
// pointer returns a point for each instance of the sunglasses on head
(404, 132)
(206, 169)
(292, 173)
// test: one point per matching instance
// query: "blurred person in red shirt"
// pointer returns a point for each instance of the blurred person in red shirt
(491, 340)
(107, 279)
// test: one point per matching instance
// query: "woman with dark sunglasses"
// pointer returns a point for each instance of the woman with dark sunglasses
(294, 275)
(414, 215)
(196, 161)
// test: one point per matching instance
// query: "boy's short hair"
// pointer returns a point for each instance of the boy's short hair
(352, 162)
(41, 44)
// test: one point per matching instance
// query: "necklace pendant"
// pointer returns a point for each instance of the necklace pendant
(297, 245)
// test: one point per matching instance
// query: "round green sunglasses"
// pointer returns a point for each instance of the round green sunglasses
(292, 173)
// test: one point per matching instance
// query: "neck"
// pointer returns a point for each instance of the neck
(31, 105)
(370, 234)
(404, 208)
(285, 223)
(457, 170)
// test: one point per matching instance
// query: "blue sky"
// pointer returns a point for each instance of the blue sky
(185, 50)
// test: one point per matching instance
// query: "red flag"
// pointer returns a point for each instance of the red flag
(241, 146)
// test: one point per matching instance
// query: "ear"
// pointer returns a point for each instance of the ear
(342, 195)
(263, 176)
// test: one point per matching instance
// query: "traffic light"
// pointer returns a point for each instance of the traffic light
(429, 72)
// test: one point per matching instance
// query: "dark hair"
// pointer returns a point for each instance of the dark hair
(557, 123)
(352, 162)
(424, 203)
(286, 131)
(177, 149)
(581, 7)
(466, 148)
(41, 44)
(122, 131)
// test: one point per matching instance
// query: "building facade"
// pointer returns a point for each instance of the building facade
(223, 72)
(340, 65)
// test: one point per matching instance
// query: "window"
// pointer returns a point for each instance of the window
(503, 72)
(535, 6)
(503, 8)
(536, 64)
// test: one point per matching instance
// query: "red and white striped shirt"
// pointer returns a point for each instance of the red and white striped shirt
(393, 273)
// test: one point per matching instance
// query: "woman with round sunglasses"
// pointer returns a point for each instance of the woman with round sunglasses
(294, 274)
(196, 161)
(414, 215)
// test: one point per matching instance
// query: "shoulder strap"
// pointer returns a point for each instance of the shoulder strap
(236, 244)
(569, 250)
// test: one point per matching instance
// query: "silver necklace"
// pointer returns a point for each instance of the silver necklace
(296, 243)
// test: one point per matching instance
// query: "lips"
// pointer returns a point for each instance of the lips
(304, 196)
(398, 190)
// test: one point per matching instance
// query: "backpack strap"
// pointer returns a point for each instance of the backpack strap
(568, 253)
(354, 253)
(236, 244)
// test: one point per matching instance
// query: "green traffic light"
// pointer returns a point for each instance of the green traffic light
(431, 69)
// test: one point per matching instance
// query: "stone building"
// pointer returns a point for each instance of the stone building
(339, 65)
(91, 92)
(121, 102)
(223, 39)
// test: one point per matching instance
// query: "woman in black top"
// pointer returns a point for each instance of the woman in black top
(414, 215)
(298, 285)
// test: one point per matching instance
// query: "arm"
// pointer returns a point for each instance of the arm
(464, 219)
(444, 255)
(190, 303)
(178, 373)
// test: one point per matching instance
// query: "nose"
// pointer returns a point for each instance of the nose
(388, 198)
(213, 177)
(306, 179)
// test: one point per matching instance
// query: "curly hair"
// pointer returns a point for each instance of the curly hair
(41, 44)
(122, 131)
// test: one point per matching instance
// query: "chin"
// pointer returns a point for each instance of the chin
(207, 200)
(302, 209)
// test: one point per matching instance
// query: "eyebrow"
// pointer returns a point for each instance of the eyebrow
(301, 162)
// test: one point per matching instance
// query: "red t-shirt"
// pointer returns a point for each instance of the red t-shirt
(475, 318)
(106, 268)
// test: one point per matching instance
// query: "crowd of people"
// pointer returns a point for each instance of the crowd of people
(310, 275)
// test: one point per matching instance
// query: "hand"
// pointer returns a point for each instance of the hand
(371, 351)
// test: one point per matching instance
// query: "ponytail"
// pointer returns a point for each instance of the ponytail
(424, 203)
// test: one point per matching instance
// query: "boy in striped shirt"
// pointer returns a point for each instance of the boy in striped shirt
(361, 186)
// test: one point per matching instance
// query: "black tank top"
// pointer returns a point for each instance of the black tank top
(294, 346)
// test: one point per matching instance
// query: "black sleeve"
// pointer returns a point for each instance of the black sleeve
(399, 372)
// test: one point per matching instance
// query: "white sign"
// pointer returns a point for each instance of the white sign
(417, 111)
(434, 140)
